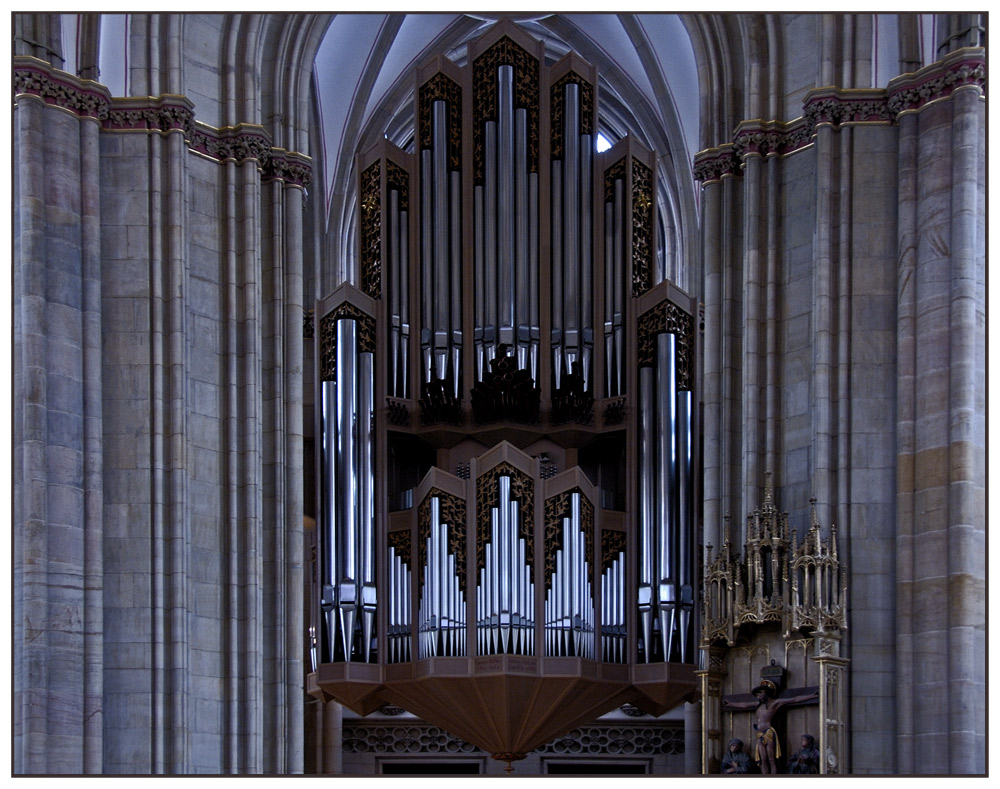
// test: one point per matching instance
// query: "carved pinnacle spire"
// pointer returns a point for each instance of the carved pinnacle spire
(768, 490)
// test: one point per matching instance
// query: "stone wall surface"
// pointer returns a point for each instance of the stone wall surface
(158, 541)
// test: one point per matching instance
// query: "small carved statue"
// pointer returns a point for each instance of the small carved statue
(736, 761)
(768, 749)
(805, 760)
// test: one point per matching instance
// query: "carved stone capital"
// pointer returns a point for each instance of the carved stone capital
(84, 98)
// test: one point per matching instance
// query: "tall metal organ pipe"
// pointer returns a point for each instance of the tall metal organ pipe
(569, 603)
(399, 608)
(505, 247)
(440, 249)
(572, 242)
(647, 522)
(398, 288)
(442, 603)
(666, 429)
(505, 590)
(350, 596)
(665, 561)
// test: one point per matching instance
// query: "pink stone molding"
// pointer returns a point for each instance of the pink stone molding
(164, 114)
(837, 107)
(962, 68)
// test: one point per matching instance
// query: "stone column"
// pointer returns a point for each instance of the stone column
(332, 734)
(58, 456)
(833, 708)
(692, 738)
(723, 299)
(941, 427)
(712, 747)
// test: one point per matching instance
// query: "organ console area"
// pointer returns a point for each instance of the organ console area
(506, 530)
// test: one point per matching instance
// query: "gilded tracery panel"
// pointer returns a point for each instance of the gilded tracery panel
(642, 228)
(400, 540)
(558, 110)
(557, 508)
(484, 98)
(612, 544)
(452, 516)
(371, 232)
(328, 337)
(442, 88)
(669, 318)
(522, 490)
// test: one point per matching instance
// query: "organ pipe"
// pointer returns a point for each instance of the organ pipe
(350, 595)
(505, 590)
(613, 610)
(399, 608)
(442, 603)
(347, 528)
(647, 524)
(397, 284)
(569, 604)
(441, 258)
(666, 387)
(572, 242)
(665, 561)
(505, 245)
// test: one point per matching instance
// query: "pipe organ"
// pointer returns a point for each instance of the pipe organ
(505, 324)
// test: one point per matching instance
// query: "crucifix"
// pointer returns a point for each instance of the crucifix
(766, 702)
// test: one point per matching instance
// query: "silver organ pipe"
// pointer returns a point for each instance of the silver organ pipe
(532, 275)
(397, 285)
(455, 282)
(349, 597)
(399, 620)
(505, 202)
(479, 277)
(441, 256)
(557, 272)
(346, 535)
(442, 602)
(505, 247)
(403, 389)
(397, 266)
(666, 429)
(685, 556)
(505, 590)
(610, 389)
(586, 253)
(572, 262)
(441, 246)
(618, 287)
(665, 560)
(571, 230)
(522, 294)
(330, 504)
(647, 471)
(426, 266)
(490, 333)
(613, 610)
(366, 497)
(569, 604)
